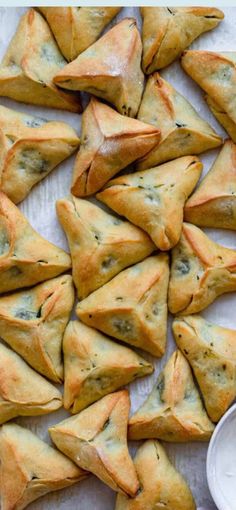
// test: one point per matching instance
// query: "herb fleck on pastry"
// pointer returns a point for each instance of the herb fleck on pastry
(110, 68)
(101, 245)
(96, 440)
(201, 271)
(173, 411)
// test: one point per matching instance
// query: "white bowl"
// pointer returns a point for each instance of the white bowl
(221, 462)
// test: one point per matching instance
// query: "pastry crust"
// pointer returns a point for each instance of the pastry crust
(162, 486)
(30, 148)
(173, 411)
(101, 245)
(31, 468)
(132, 307)
(213, 204)
(23, 392)
(109, 143)
(222, 117)
(96, 366)
(183, 131)
(82, 26)
(33, 322)
(110, 68)
(169, 31)
(26, 258)
(201, 271)
(96, 440)
(30, 63)
(161, 193)
(219, 82)
(211, 352)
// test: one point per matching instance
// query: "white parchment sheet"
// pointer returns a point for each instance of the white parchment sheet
(39, 208)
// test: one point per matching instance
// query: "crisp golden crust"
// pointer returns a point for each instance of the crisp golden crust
(33, 322)
(96, 366)
(96, 440)
(23, 392)
(183, 131)
(173, 411)
(101, 245)
(82, 26)
(169, 31)
(110, 68)
(26, 258)
(162, 486)
(30, 148)
(161, 193)
(30, 468)
(201, 271)
(211, 352)
(132, 306)
(219, 82)
(222, 117)
(213, 204)
(109, 143)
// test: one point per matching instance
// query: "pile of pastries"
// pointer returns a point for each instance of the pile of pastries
(130, 263)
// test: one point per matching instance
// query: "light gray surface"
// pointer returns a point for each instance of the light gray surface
(39, 208)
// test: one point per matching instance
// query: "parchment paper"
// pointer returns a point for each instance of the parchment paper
(39, 208)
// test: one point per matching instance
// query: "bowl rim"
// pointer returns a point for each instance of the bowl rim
(209, 460)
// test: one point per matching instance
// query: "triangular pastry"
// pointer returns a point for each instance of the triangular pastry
(213, 204)
(23, 392)
(173, 411)
(95, 366)
(216, 75)
(109, 143)
(101, 245)
(26, 258)
(110, 68)
(211, 352)
(201, 271)
(96, 440)
(167, 31)
(222, 117)
(132, 307)
(161, 485)
(160, 193)
(30, 148)
(183, 131)
(33, 322)
(30, 63)
(30, 468)
(82, 26)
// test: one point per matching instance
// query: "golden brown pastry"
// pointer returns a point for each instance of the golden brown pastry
(96, 440)
(101, 245)
(23, 392)
(82, 26)
(201, 271)
(30, 147)
(33, 322)
(30, 63)
(154, 199)
(173, 411)
(216, 74)
(211, 352)
(30, 468)
(96, 366)
(162, 486)
(222, 118)
(110, 68)
(26, 258)
(109, 143)
(132, 307)
(183, 131)
(167, 31)
(213, 204)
